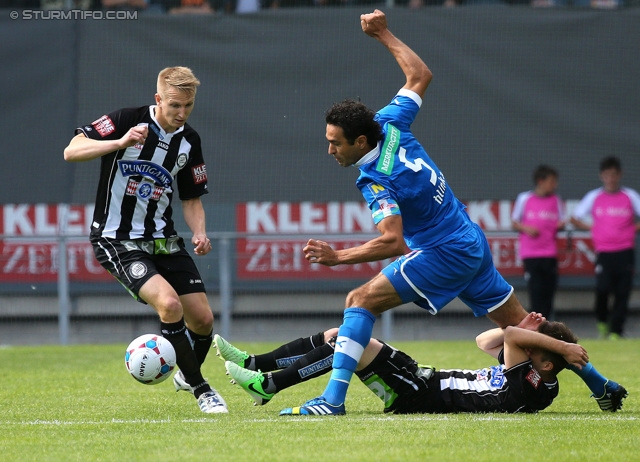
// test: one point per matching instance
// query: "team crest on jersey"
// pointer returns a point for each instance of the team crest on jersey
(533, 377)
(138, 270)
(497, 376)
(199, 173)
(144, 190)
(181, 161)
(104, 125)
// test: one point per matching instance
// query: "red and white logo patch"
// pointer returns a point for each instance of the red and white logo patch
(104, 126)
(199, 173)
(533, 377)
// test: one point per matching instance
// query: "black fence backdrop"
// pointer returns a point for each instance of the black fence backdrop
(513, 87)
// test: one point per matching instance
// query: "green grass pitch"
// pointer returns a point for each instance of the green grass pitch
(77, 403)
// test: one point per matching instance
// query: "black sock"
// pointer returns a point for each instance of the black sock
(285, 355)
(176, 333)
(201, 344)
(314, 364)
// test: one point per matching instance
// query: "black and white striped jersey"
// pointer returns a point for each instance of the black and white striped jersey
(407, 388)
(137, 184)
(496, 389)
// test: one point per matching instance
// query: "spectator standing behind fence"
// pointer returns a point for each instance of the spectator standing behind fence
(610, 213)
(537, 216)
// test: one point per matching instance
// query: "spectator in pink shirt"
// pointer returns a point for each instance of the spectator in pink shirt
(537, 216)
(611, 213)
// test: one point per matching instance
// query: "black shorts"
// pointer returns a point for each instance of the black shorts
(134, 262)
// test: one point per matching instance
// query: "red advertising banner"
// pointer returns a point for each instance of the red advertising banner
(277, 232)
(29, 249)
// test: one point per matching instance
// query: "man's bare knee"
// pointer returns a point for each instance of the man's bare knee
(353, 298)
(169, 308)
(202, 324)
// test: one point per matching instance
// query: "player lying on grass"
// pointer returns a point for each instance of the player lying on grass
(530, 356)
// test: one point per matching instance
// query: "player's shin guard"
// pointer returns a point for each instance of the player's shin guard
(596, 382)
(353, 337)
(201, 344)
(176, 333)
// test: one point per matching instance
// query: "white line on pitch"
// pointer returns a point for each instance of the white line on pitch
(310, 419)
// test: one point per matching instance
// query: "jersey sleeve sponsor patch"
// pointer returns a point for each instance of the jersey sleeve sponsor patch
(383, 205)
(199, 173)
(104, 125)
(533, 377)
(378, 191)
(385, 208)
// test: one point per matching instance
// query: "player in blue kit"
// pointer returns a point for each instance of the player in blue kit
(414, 209)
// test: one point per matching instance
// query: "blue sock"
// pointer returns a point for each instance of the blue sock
(353, 337)
(596, 382)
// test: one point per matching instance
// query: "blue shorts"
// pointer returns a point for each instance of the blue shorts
(431, 278)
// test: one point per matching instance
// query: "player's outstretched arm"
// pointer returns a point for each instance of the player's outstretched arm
(81, 148)
(416, 71)
(389, 244)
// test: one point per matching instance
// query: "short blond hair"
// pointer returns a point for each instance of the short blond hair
(178, 77)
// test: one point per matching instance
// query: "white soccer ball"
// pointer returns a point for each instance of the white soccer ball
(150, 359)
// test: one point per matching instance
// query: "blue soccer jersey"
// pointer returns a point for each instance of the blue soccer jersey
(450, 256)
(399, 178)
